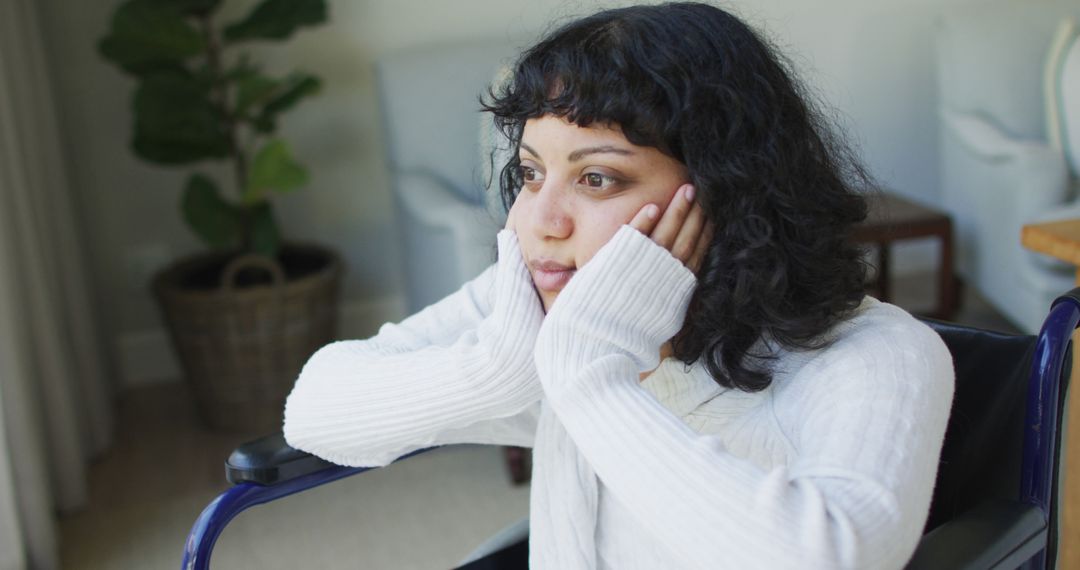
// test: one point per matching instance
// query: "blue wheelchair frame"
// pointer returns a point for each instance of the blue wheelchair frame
(1004, 534)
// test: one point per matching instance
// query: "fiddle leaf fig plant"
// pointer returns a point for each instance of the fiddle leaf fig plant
(200, 97)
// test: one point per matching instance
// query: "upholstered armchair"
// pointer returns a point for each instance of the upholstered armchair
(443, 157)
(1007, 100)
(433, 130)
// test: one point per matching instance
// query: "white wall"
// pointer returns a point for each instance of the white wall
(871, 60)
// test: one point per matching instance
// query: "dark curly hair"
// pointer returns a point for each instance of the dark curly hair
(782, 191)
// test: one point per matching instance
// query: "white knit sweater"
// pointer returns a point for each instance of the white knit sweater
(832, 466)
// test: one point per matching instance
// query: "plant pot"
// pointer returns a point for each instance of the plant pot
(244, 325)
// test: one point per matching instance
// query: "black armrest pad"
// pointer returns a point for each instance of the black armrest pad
(993, 532)
(270, 460)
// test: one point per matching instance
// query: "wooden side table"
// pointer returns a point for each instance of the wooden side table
(1062, 240)
(892, 218)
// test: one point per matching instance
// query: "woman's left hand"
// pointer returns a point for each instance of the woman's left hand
(682, 229)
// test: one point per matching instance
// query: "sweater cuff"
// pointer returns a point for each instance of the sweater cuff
(507, 239)
(630, 298)
(512, 276)
(517, 312)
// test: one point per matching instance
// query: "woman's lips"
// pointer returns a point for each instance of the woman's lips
(551, 276)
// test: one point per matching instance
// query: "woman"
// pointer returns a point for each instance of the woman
(675, 322)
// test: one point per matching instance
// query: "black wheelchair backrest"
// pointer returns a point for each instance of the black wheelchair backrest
(985, 427)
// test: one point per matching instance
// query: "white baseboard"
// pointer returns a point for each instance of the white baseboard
(147, 357)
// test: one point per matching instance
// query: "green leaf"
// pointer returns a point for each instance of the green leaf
(175, 122)
(296, 87)
(264, 125)
(252, 89)
(290, 91)
(242, 68)
(265, 235)
(277, 19)
(216, 221)
(148, 33)
(273, 169)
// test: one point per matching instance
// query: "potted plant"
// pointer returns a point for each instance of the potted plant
(247, 313)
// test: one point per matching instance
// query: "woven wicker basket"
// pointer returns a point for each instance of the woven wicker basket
(243, 326)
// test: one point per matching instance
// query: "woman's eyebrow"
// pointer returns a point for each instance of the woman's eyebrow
(606, 149)
(583, 152)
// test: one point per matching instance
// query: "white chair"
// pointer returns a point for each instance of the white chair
(1003, 159)
(432, 128)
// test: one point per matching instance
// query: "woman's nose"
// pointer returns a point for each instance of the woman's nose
(552, 213)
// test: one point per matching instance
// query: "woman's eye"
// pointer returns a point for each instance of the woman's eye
(529, 174)
(597, 180)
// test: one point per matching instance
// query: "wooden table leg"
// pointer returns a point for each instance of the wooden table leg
(947, 297)
(518, 460)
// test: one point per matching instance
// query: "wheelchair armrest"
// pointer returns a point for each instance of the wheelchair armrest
(269, 460)
(994, 534)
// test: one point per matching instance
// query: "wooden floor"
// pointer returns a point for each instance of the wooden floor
(424, 513)
(918, 294)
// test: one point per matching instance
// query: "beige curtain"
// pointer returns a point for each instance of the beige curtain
(55, 401)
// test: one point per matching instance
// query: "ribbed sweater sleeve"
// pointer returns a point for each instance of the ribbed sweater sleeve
(867, 423)
(458, 371)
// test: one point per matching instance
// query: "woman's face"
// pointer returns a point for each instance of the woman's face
(580, 186)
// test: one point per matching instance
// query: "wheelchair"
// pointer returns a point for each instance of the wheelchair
(995, 499)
